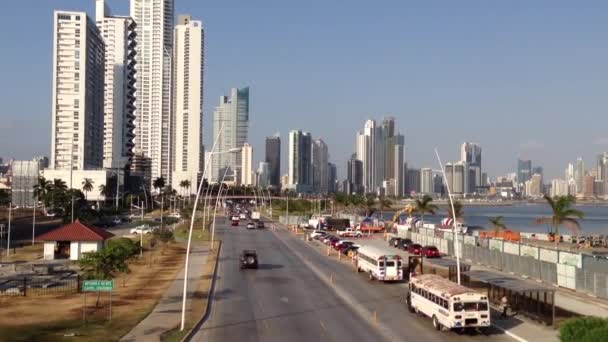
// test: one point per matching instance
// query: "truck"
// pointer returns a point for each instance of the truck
(337, 223)
(349, 232)
(255, 215)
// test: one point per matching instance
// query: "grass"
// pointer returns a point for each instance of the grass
(49, 318)
(199, 304)
(26, 253)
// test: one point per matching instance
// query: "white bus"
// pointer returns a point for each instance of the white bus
(379, 263)
(449, 305)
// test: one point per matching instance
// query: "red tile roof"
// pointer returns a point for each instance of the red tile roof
(76, 231)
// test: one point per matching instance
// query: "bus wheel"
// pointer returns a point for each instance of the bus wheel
(436, 324)
(370, 275)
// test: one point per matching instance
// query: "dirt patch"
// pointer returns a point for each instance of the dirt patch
(51, 317)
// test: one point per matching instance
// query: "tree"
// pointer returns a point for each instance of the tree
(498, 223)
(104, 190)
(42, 189)
(5, 197)
(185, 184)
(458, 212)
(563, 213)
(384, 203)
(158, 183)
(424, 205)
(87, 186)
(370, 203)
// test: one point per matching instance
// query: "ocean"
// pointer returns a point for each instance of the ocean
(521, 217)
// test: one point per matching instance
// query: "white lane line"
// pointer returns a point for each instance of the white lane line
(510, 334)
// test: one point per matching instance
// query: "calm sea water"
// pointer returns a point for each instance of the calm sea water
(521, 217)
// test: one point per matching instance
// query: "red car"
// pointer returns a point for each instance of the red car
(430, 252)
(235, 222)
(415, 249)
(334, 243)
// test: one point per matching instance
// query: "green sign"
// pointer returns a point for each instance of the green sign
(97, 285)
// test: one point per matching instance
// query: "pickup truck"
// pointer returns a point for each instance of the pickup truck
(349, 232)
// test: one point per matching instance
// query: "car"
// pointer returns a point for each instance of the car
(415, 249)
(317, 234)
(303, 225)
(335, 242)
(394, 242)
(327, 240)
(430, 252)
(350, 251)
(249, 259)
(250, 225)
(234, 223)
(143, 229)
(175, 215)
(405, 243)
(117, 220)
(260, 224)
(243, 216)
(344, 245)
(350, 232)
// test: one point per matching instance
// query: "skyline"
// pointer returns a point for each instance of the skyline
(524, 82)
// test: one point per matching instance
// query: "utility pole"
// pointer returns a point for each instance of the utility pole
(8, 239)
(34, 220)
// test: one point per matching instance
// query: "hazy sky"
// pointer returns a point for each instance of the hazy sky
(522, 78)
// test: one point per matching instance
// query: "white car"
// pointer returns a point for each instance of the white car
(143, 229)
(250, 225)
(243, 216)
(175, 215)
(349, 232)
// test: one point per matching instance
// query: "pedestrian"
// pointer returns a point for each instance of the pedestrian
(504, 303)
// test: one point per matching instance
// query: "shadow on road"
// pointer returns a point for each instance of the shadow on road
(268, 266)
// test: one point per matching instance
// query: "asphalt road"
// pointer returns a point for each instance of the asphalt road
(299, 294)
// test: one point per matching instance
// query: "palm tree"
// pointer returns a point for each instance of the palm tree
(187, 185)
(384, 203)
(42, 190)
(424, 205)
(104, 191)
(563, 213)
(182, 185)
(87, 185)
(159, 183)
(498, 223)
(458, 213)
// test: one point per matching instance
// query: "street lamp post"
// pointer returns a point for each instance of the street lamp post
(216, 204)
(8, 237)
(456, 242)
(192, 218)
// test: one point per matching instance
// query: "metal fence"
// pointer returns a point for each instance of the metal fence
(577, 271)
(39, 286)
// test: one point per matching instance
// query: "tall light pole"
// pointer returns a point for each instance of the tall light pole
(192, 218)
(456, 242)
(217, 199)
(8, 238)
(34, 220)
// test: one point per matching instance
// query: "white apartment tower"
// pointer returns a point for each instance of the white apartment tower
(426, 181)
(154, 52)
(187, 124)
(246, 166)
(233, 115)
(77, 95)
(119, 36)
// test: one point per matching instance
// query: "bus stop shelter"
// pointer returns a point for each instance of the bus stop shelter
(529, 298)
(449, 265)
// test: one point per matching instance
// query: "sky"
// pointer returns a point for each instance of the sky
(522, 78)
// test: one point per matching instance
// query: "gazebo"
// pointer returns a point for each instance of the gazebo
(71, 240)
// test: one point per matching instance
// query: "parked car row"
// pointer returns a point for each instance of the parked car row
(414, 248)
(343, 246)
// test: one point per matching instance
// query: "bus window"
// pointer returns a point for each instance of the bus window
(482, 306)
(390, 264)
(458, 307)
(470, 306)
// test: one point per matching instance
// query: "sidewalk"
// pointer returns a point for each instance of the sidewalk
(167, 313)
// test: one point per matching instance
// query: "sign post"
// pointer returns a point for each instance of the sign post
(97, 286)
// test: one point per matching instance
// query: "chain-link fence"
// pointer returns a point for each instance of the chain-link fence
(38, 286)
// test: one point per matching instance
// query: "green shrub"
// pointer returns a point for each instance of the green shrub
(574, 329)
(599, 334)
(123, 247)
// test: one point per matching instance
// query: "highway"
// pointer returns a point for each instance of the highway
(299, 294)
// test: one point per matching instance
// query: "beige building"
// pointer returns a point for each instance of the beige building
(246, 168)
(187, 130)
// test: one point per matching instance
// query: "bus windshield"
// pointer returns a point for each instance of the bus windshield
(471, 306)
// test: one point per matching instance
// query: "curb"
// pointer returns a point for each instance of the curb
(201, 321)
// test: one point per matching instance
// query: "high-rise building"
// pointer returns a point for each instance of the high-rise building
(579, 174)
(366, 152)
(449, 177)
(285, 182)
(154, 51)
(332, 171)
(118, 33)
(300, 163)
(524, 171)
(246, 165)
(187, 127)
(588, 185)
(438, 184)
(24, 177)
(78, 93)
(412, 185)
(233, 115)
(537, 170)
(320, 156)
(602, 167)
(354, 175)
(273, 158)
(426, 181)
(389, 137)
(458, 178)
(471, 154)
(399, 162)
(534, 186)
(559, 187)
